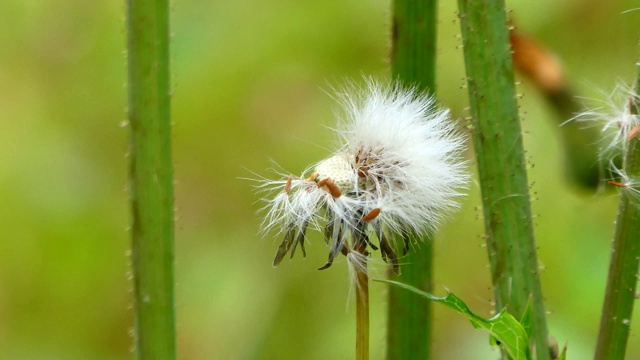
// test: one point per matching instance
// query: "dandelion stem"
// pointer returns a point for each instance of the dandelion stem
(501, 164)
(362, 313)
(620, 294)
(150, 178)
(413, 57)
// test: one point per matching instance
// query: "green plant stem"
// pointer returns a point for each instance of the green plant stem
(620, 294)
(414, 35)
(413, 58)
(501, 164)
(362, 315)
(150, 178)
(409, 323)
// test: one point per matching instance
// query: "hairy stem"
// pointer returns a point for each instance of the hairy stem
(620, 294)
(413, 58)
(501, 164)
(150, 178)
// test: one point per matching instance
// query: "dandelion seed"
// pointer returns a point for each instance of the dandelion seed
(625, 182)
(616, 183)
(395, 175)
(634, 132)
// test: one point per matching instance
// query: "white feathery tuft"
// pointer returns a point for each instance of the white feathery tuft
(414, 153)
(615, 118)
(398, 172)
(626, 183)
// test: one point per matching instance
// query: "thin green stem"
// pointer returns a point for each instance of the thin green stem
(501, 164)
(150, 178)
(620, 295)
(362, 314)
(413, 58)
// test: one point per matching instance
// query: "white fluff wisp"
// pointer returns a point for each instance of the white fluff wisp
(396, 174)
(617, 118)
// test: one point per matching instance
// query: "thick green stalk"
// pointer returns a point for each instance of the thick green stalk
(622, 283)
(414, 35)
(501, 164)
(150, 178)
(413, 57)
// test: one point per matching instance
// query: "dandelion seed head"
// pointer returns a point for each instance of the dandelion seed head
(615, 116)
(397, 172)
(411, 153)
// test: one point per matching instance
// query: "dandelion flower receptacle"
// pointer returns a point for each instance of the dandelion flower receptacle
(396, 173)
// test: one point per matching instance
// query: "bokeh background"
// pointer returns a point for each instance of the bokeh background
(249, 82)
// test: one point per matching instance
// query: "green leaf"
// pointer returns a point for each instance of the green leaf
(509, 334)
(563, 354)
(527, 318)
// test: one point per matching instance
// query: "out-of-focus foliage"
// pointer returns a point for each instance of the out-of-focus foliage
(249, 86)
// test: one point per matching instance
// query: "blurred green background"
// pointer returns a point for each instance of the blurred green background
(249, 83)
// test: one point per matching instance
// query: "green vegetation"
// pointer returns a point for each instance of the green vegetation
(503, 327)
(249, 85)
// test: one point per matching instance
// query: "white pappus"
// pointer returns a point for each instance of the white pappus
(620, 124)
(617, 118)
(396, 174)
